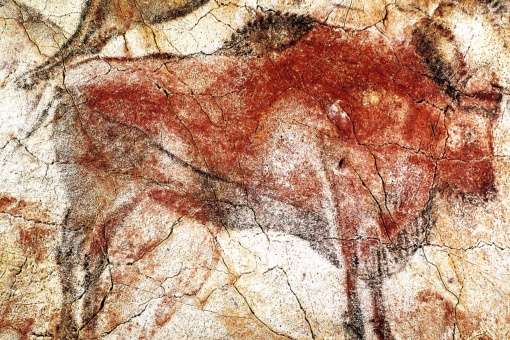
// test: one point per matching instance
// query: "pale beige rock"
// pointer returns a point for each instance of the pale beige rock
(194, 282)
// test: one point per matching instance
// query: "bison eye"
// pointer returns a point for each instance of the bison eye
(341, 162)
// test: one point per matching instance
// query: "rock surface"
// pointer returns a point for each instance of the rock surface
(236, 169)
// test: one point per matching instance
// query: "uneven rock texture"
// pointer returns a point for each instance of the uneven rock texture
(263, 170)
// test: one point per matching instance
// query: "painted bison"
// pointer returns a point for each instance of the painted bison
(342, 138)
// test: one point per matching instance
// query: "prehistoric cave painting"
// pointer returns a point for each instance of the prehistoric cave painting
(342, 138)
(101, 20)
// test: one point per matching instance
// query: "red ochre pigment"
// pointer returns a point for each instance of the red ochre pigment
(345, 121)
